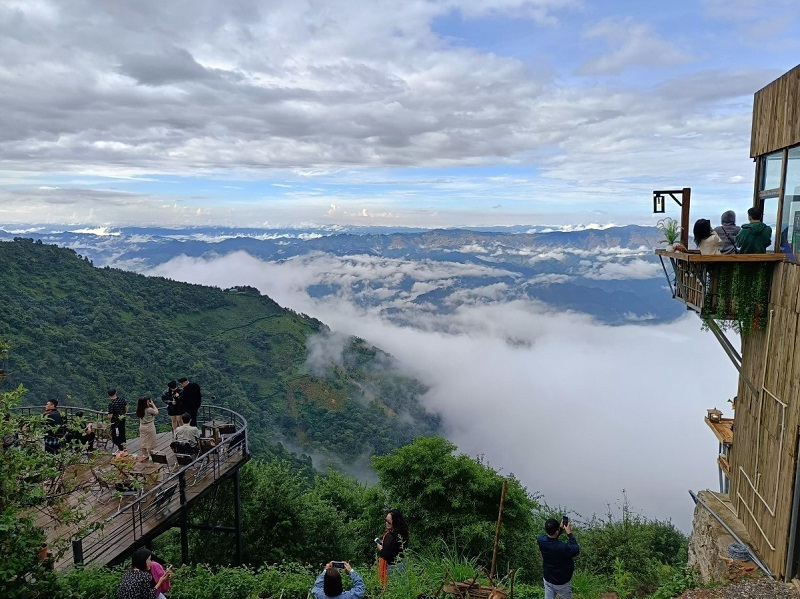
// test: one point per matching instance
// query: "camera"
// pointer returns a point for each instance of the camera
(339, 565)
(377, 540)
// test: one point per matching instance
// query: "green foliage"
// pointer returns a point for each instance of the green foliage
(456, 497)
(636, 553)
(681, 580)
(742, 296)
(589, 586)
(671, 229)
(90, 583)
(624, 581)
(77, 330)
(32, 483)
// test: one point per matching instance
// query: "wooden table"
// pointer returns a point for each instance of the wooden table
(214, 426)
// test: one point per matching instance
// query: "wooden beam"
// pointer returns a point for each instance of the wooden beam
(732, 258)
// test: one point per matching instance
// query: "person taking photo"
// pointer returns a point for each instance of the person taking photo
(558, 558)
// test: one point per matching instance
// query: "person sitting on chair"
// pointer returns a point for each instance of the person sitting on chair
(81, 431)
(186, 433)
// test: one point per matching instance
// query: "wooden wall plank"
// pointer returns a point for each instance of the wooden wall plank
(776, 115)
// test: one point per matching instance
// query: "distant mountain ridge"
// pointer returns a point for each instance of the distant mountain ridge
(75, 330)
(609, 273)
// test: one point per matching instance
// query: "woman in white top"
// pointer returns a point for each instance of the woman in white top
(147, 411)
(705, 238)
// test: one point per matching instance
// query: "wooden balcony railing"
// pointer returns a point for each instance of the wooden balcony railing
(708, 284)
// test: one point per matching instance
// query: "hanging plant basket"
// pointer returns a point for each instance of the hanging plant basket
(742, 296)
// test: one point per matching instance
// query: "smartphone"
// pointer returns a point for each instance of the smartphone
(564, 521)
(339, 565)
(377, 540)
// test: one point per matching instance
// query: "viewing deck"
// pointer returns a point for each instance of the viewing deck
(161, 498)
(696, 280)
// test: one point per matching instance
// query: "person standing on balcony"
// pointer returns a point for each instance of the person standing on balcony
(728, 231)
(117, 408)
(755, 237)
(147, 411)
(173, 397)
(708, 241)
(192, 398)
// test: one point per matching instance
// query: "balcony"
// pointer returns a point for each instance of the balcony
(729, 287)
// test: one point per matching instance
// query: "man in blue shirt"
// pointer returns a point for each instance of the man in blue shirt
(557, 559)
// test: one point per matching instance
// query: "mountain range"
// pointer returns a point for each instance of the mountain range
(609, 273)
(75, 329)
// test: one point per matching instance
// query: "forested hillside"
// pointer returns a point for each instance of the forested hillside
(75, 330)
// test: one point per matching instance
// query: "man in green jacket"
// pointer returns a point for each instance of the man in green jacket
(755, 237)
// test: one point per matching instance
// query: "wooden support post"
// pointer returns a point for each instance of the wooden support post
(497, 530)
(184, 518)
(77, 551)
(184, 537)
(238, 512)
(686, 194)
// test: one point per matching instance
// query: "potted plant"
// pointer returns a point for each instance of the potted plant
(671, 230)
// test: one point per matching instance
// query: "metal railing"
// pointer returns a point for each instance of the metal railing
(165, 499)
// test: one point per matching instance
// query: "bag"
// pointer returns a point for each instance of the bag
(731, 241)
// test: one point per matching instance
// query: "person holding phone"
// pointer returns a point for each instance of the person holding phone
(138, 582)
(391, 545)
(162, 582)
(329, 583)
(147, 411)
(558, 558)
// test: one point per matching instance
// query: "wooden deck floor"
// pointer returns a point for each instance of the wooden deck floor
(723, 430)
(129, 521)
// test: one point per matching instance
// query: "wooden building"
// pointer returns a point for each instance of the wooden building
(759, 294)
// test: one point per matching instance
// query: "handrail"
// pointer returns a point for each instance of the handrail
(696, 276)
(133, 514)
(695, 257)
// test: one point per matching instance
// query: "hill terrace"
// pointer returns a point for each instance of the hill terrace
(129, 502)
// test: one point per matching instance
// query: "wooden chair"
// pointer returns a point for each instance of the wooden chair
(126, 488)
(160, 459)
(206, 444)
(183, 448)
(226, 430)
(160, 505)
(101, 487)
(102, 435)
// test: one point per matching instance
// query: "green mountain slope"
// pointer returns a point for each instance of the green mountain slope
(76, 330)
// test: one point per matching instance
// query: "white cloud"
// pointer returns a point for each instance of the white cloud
(634, 45)
(634, 269)
(570, 404)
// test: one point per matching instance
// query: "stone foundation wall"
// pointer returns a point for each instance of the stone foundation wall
(708, 545)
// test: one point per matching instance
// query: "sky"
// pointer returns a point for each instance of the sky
(413, 113)
(579, 411)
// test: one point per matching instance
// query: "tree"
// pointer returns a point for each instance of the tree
(31, 482)
(455, 498)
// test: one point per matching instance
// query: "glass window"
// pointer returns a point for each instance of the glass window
(771, 172)
(790, 218)
(770, 215)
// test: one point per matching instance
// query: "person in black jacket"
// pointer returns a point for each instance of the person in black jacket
(558, 558)
(192, 398)
(392, 545)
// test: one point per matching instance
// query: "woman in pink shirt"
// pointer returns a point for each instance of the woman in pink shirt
(157, 570)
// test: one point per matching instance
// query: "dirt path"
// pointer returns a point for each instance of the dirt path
(751, 589)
